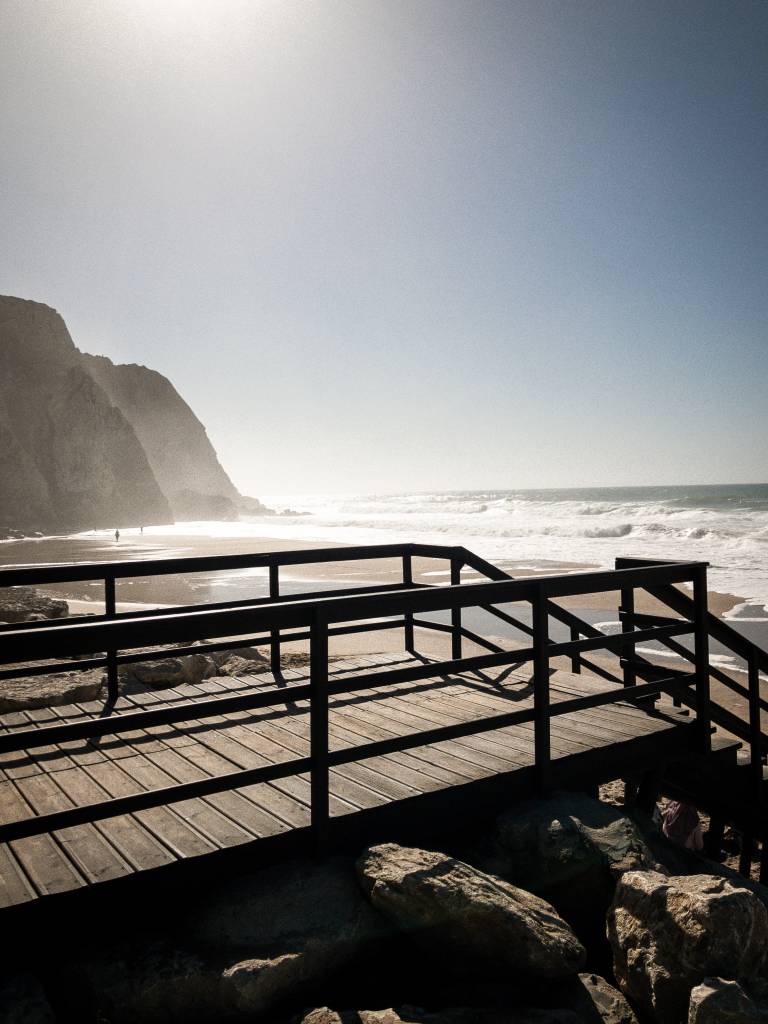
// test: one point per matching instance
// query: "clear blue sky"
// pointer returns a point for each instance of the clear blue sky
(395, 245)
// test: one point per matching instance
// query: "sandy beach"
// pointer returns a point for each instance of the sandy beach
(205, 587)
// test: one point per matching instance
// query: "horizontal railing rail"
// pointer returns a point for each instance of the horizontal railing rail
(334, 613)
(749, 728)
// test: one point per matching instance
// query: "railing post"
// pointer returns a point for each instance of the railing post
(456, 564)
(318, 732)
(110, 607)
(540, 618)
(274, 636)
(408, 618)
(627, 619)
(755, 729)
(575, 657)
(701, 657)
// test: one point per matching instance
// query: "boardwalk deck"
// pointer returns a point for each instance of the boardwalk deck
(446, 777)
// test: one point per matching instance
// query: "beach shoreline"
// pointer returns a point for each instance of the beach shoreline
(206, 587)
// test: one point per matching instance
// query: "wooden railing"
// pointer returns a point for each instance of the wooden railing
(320, 616)
(747, 727)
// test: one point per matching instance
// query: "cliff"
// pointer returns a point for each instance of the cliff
(85, 443)
(175, 441)
(68, 458)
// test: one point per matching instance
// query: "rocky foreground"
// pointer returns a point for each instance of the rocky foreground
(569, 911)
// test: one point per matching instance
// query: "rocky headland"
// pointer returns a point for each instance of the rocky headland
(86, 443)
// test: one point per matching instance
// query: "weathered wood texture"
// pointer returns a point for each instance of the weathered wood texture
(82, 772)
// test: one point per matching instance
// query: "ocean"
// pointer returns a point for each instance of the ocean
(726, 525)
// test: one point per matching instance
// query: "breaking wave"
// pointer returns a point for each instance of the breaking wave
(726, 526)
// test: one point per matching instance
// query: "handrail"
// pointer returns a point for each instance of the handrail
(344, 611)
(74, 572)
(166, 628)
(756, 658)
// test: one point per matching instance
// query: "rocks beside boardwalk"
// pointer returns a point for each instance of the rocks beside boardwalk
(669, 934)
(478, 922)
(25, 604)
(407, 935)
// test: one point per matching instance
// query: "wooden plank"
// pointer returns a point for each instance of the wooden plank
(162, 822)
(137, 846)
(221, 830)
(44, 863)
(94, 857)
(271, 807)
(15, 887)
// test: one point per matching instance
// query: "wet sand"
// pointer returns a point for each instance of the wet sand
(206, 587)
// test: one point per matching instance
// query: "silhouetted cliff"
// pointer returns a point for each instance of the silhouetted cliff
(174, 439)
(86, 443)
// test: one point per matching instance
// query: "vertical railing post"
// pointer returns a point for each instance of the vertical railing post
(701, 657)
(755, 725)
(274, 636)
(575, 657)
(110, 607)
(318, 731)
(627, 620)
(408, 618)
(456, 564)
(540, 618)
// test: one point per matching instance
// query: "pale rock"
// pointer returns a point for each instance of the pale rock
(475, 920)
(29, 692)
(668, 934)
(716, 1001)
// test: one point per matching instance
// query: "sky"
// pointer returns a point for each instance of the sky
(385, 245)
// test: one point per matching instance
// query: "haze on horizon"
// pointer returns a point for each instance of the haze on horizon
(391, 245)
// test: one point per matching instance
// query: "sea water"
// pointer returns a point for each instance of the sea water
(725, 525)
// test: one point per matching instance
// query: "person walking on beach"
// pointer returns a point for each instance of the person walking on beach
(117, 535)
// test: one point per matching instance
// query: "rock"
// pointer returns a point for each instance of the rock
(716, 1001)
(249, 946)
(458, 1015)
(285, 907)
(479, 922)
(237, 665)
(50, 691)
(159, 673)
(597, 1001)
(570, 849)
(25, 604)
(23, 1001)
(151, 984)
(668, 934)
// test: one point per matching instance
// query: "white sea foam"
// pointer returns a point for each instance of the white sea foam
(728, 527)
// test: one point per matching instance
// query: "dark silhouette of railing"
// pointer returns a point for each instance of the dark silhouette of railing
(319, 615)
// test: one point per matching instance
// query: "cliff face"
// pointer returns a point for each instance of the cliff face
(174, 439)
(85, 443)
(68, 458)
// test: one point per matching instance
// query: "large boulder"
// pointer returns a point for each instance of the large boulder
(25, 604)
(291, 908)
(160, 673)
(570, 850)
(716, 1001)
(668, 934)
(248, 946)
(23, 1001)
(452, 1015)
(595, 1001)
(476, 921)
(50, 691)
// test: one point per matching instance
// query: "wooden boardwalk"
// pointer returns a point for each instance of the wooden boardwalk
(586, 746)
